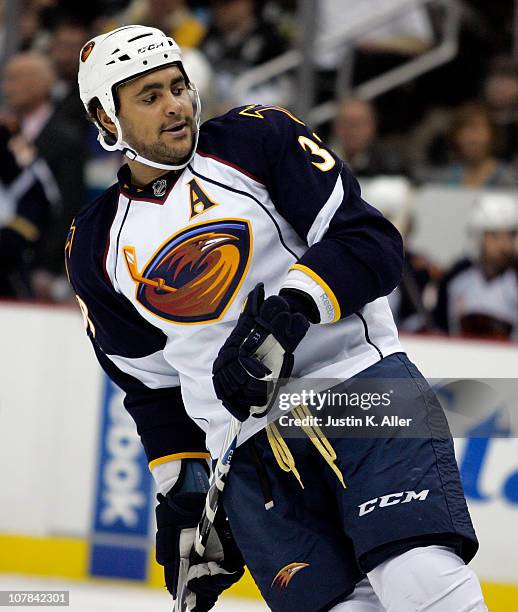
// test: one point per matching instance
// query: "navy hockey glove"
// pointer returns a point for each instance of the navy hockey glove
(177, 516)
(259, 349)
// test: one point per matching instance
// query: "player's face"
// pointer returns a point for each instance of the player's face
(156, 115)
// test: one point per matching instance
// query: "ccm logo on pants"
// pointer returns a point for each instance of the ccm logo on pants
(391, 500)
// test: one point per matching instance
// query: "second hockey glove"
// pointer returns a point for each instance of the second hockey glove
(259, 348)
(177, 516)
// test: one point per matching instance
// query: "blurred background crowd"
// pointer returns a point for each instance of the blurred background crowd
(420, 98)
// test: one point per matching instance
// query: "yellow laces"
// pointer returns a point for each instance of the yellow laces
(283, 454)
(319, 440)
(281, 451)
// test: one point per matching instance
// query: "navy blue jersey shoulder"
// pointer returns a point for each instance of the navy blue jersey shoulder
(277, 149)
(312, 188)
(245, 137)
(119, 329)
(231, 139)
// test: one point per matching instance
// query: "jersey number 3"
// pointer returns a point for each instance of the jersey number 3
(328, 161)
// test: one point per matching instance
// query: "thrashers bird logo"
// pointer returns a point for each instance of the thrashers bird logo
(284, 575)
(86, 50)
(194, 275)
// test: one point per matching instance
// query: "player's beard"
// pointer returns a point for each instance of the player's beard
(159, 151)
(499, 264)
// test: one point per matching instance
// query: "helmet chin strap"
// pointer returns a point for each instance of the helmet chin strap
(134, 156)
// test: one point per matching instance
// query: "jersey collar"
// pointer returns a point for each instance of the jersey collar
(157, 191)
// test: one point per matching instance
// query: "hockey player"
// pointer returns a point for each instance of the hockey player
(479, 297)
(252, 203)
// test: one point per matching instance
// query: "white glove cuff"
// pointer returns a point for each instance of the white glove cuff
(166, 475)
(304, 279)
(165, 470)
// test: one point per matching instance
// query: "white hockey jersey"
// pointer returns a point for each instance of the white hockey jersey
(161, 272)
(471, 304)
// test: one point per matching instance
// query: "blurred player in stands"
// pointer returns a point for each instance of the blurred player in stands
(413, 299)
(172, 267)
(479, 297)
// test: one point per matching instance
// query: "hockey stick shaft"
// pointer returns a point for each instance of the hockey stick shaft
(217, 485)
(206, 522)
(268, 351)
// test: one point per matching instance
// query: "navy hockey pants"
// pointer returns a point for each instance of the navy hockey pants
(309, 551)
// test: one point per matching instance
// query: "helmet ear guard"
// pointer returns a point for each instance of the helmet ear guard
(92, 111)
(122, 55)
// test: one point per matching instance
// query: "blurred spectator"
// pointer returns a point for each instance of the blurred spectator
(172, 16)
(413, 300)
(238, 40)
(27, 192)
(66, 43)
(479, 297)
(501, 96)
(27, 85)
(473, 139)
(355, 139)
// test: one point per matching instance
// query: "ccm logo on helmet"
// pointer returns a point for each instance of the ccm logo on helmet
(391, 500)
(151, 47)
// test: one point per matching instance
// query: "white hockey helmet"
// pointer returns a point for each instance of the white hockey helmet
(495, 211)
(123, 54)
(389, 194)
